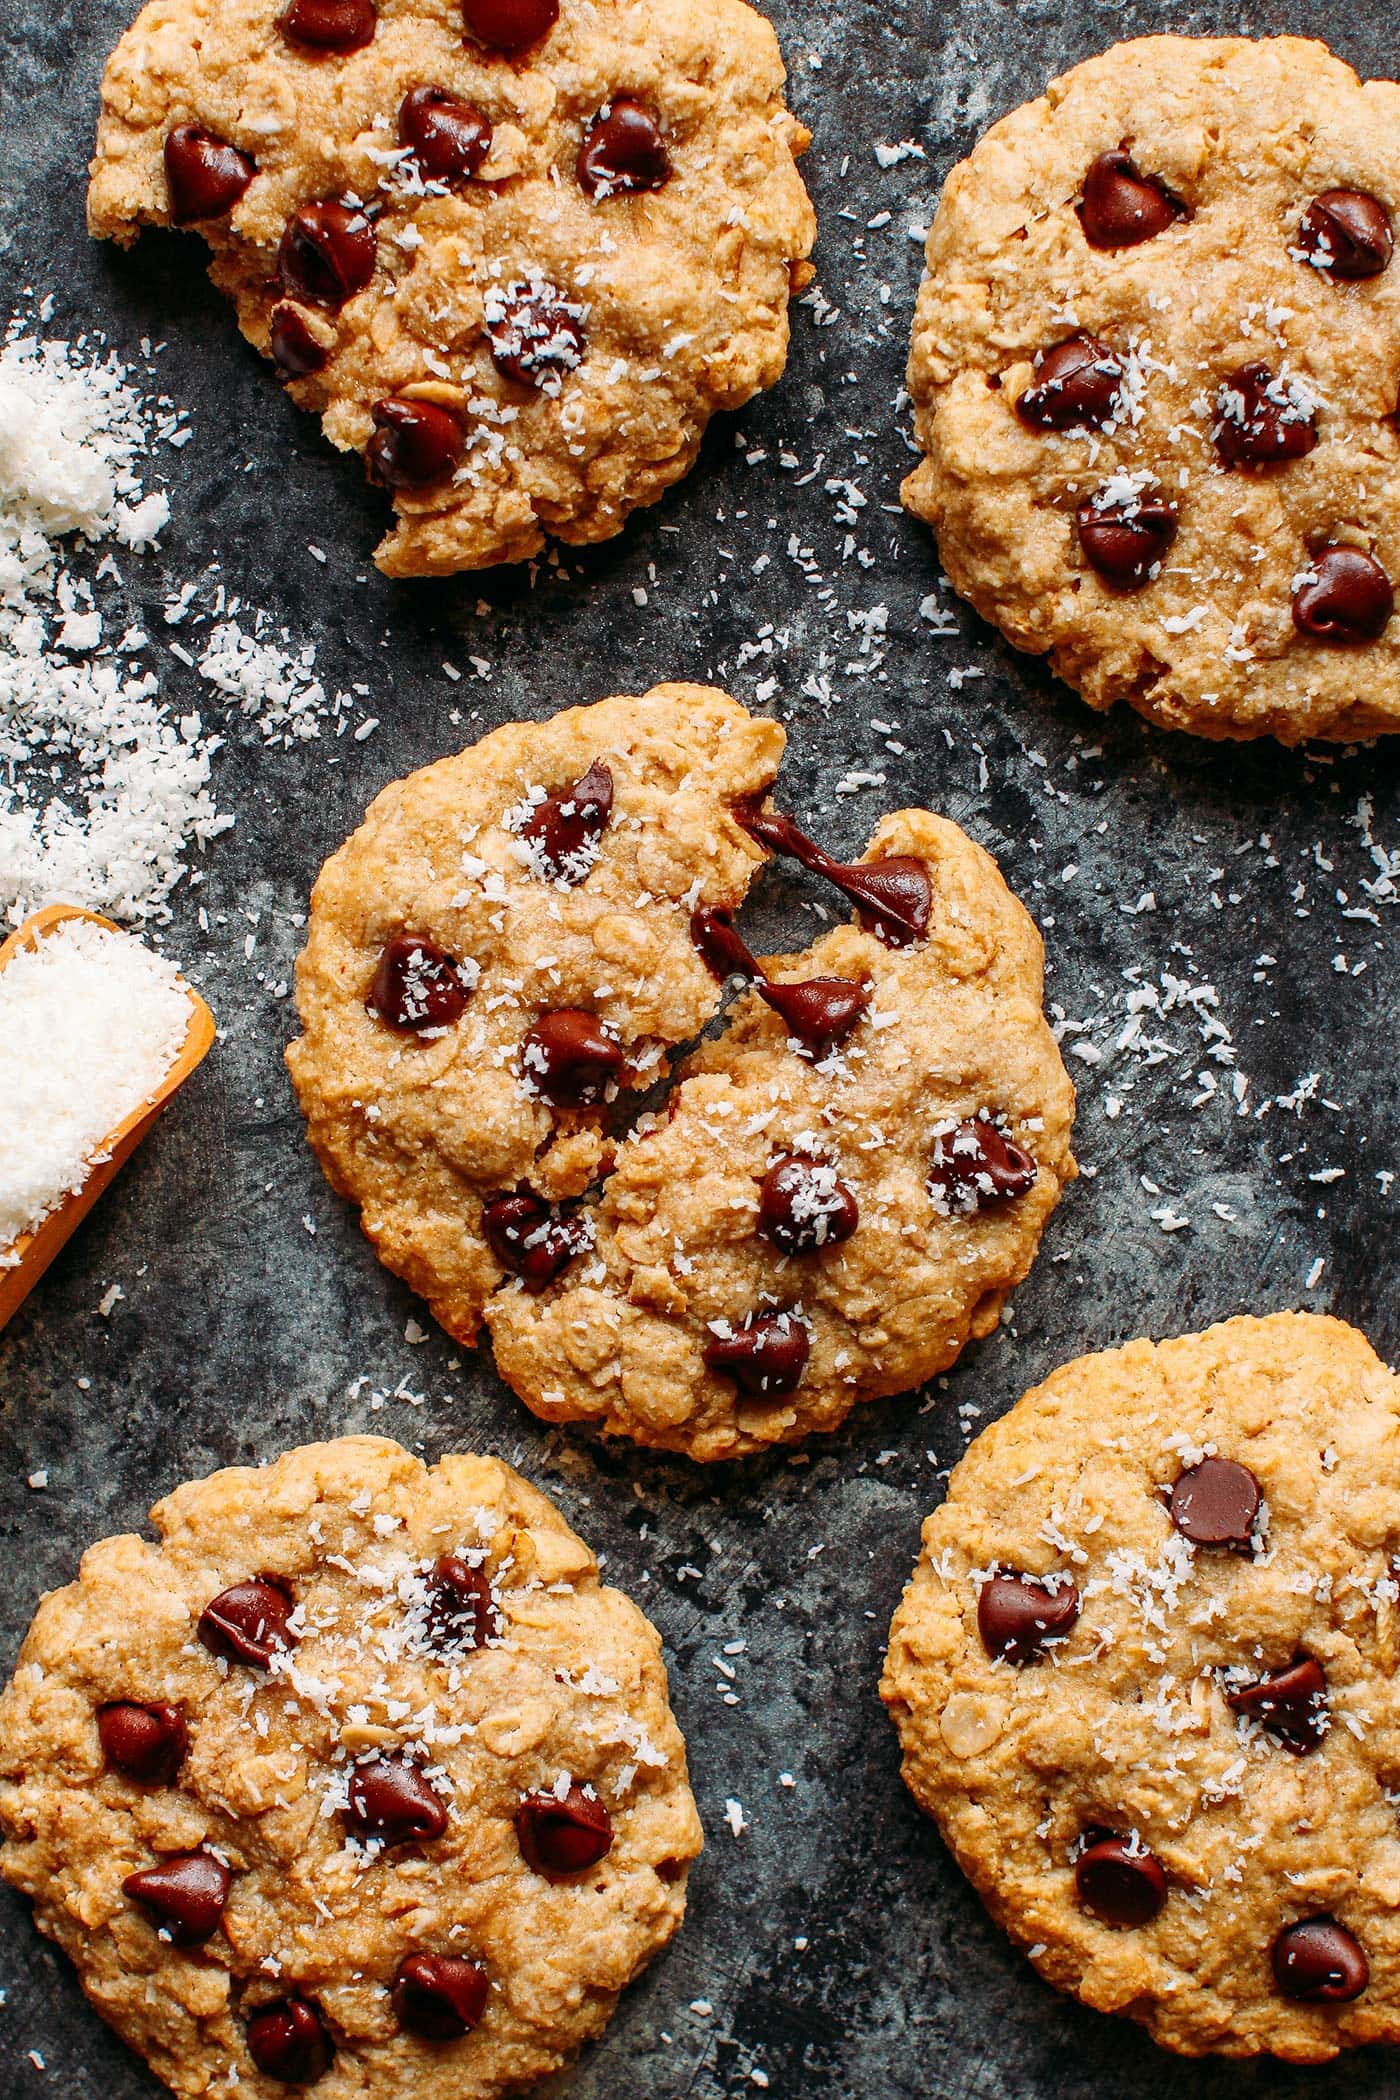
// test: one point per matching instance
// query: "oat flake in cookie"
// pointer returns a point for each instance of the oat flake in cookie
(1145, 1679)
(1155, 369)
(406, 1837)
(516, 252)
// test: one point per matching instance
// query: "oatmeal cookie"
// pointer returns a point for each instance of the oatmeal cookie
(1145, 1679)
(1155, 368)
(516, 252)
(359, 1780)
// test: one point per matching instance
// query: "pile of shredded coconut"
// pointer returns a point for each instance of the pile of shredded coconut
(90, 1024)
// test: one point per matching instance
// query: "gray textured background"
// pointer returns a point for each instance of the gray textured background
(241, 1333)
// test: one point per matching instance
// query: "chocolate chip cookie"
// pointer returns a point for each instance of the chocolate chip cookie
(515, 252)
(1145, 1678)
(1155, 369)
(358, 1780)
(830, 1199)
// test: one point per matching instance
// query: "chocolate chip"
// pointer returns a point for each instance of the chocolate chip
(391, 1800)
(509, 25)
(569, 1057)
(415, 443)
(532, 1239)
(1120, 1882)
(417, 985)
(1075, 387)
(1319, 1959)
(1018, 1614)
(820, 1011)
(623, 151)
(440, 1997)
(326, 254)
(204, 175)
(1121, 206)
(289, 2041)
(975, 1166)
(296, 354)
(565, 827)
(560, 1837)
(766, 1354)
(803, 1206)
(248, 1622)
(1291, 1704)
(1347, 598)
(895, 892)
(187, 1894)
(1216, 1503)
(1125, 538)
(447, 136)
(1262, 421)
(146, 1743)
(461, 1610)
(536, 333)
(329, 25)
(719, 944)
(1346, 234)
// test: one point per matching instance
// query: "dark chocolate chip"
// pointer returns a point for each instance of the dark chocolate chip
(289, 2041)
(532, 1239)
(1120, 1882)
(391, 1800)
(204, 175)
(1215, 1503)
(563, 1837)
(461, 1610)
(569, 1057)
(536, 334)
(895, 893)
(417, 985)
(766, 1354)
(975, 1166)
(1121, 206)
(804, 1206)
(296, 354)
(818, 1011)
(326, 254)
(440, 1997)
(720, 945)
(329, 25)
(1319, 1960)
(1075, 387)
(146, 1743)
(447, 136)
(1018, 1614)
(415, 443)
(1125, 538)
(623, 151)
(509, 25)
(1261, 420)
(566, 826)
(187, 1894)
(1347, 598)
(248, 1623)
(1291, 1704)
(1346, 234)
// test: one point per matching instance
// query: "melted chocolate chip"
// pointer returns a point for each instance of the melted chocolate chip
(329, 25)
(533, 1239)
(289, 2041)
(509, 25)
(391, 1800)
(975, 1166)
(204, 175)
(818, 1011)
(1120, 1882)
(566, 826)
(1346, 234)
(1121, 206)
(1262, 421)
(296, 354)
(447, 136)
(461, 1611)
(895, 893)
(720, 946)
(569, 1057)
(563, 1837)
(1347, 598)
(248, 1623)
(1319, 1960)
(765, 1355)
(1291, 1704)
(440, 1997)
(187, 1894)
(1216, 1503)
(536, 334)
(1125, 538)
(623, 151)
(804, 1206)
(145, 1743)
(415, 443)
(326, 254)
(417, 985)
(1075, 387)
(1018, 1614)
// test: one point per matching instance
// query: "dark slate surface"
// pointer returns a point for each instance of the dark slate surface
(835, 1941)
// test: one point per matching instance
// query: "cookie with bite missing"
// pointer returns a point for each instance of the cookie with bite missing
(357, 1781)
(1155, 370)
(1145, 1680)
(514, 252)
